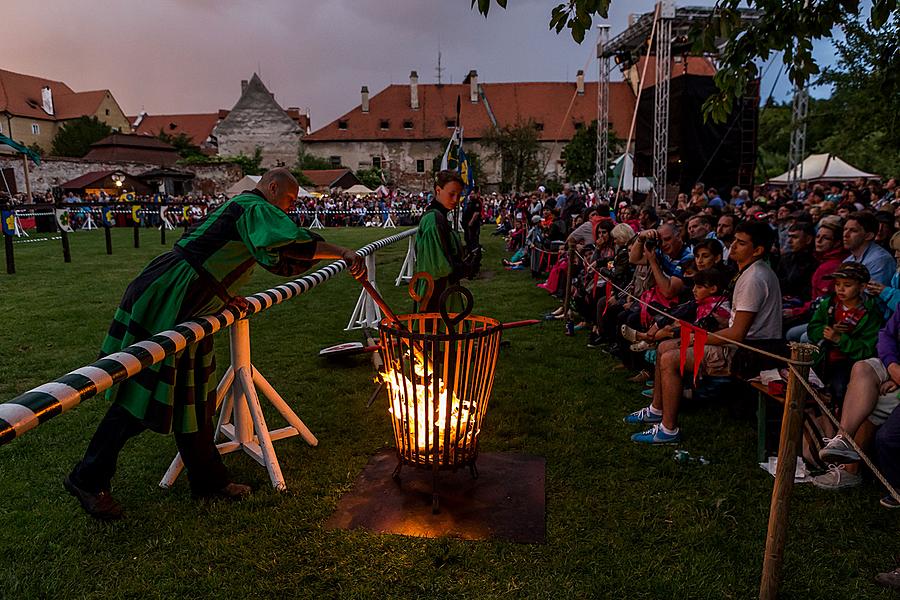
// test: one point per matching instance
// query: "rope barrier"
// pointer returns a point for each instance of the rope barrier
(28, 410)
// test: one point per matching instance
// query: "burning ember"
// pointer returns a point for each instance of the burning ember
(420, 404)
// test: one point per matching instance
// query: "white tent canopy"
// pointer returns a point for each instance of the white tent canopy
(248, 182)
(823, 167)
(630, 182)
(358, 189)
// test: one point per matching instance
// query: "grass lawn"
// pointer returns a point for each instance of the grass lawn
(622, 521)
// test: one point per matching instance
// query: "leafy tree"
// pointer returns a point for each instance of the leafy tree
(250, 165)
(181, 142)
(36, 148)
(371, 178)
(517, 147)
(580, 154)
(788, 27)
(305, 160)
(75, 137)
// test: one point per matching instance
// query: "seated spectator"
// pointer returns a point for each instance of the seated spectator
(859, 240)
(889, 294)
(886, 228)
(795, 269)
(707, 254)
(755, 320)
(699, 227)
(845, 327)
(870, 400)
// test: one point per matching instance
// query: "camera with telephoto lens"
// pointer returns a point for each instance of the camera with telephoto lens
(650, 243)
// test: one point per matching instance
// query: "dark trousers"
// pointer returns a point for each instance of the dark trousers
(887, 447)
(94, 473)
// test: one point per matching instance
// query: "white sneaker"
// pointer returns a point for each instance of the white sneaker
(838, 451)
(628, 333)
(836, 478)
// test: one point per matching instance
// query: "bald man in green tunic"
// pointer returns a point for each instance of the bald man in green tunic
(439, 251)
(199, 276)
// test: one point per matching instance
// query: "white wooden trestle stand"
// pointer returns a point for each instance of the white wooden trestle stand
(241, 417)
(366, 315)
(316, 224)
(409, 264)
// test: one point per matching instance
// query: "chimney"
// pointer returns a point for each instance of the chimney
(47, 100)
(579, 82)
(365, 98)
(414, 90)
(473, 86)
(140, 118)
(243, 86)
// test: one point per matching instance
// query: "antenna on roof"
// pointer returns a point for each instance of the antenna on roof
(439, 70)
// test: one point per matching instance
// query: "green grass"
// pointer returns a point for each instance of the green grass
(622, 521)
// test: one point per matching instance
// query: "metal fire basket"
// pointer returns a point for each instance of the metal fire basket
(439, 371)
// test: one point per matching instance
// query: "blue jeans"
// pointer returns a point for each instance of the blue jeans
(887, 447)
(797, 333)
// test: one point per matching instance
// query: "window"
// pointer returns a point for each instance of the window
(539, 126)
(376, 162)
(35, 128)
(407, 125)
(342, 124)
(579, 126)
(420, 166)
(385, 124)
(335, 161)
(451, 123)
(107, 112)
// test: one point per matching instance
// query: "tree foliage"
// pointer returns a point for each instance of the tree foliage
(250, 165)
(75, 137)
(181, 142)
(580, 154)
(305, 160)
(788, 27)
(858, 122)
(371, 178)
(518, 149)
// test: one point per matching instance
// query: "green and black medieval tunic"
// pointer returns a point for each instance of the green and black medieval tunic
(198, 276)
(439, 252)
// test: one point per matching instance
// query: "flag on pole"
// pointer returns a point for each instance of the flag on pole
(106, 215)
(464, 168)
(8, 219)
(135, 213)
(62, 219)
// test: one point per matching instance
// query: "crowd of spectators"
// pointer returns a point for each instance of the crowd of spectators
(818, 265)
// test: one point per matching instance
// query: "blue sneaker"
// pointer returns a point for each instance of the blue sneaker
(648, 383)
(648, 393)
(643, 416)
(656, 436)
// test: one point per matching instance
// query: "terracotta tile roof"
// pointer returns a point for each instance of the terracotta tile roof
(325, 177)
(126, 140)
(86, 179)
(20, 94)
(544, 103)
(198, 126)
(78, 104)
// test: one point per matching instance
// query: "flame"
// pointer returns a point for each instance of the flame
(417, 396)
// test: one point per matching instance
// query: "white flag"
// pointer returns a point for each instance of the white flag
(62, 219)
(446, 158)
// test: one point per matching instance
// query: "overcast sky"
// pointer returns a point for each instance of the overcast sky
(180, 56)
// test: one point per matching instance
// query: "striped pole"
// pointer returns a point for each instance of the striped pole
(28, 410)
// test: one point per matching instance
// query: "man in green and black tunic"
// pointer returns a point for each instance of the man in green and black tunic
(199, 276)
(439, 251)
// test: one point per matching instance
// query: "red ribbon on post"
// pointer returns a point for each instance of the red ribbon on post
(608, 288)
(700, 336)
(685, 342)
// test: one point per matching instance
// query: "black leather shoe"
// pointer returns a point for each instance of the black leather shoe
(231, 491)
(100, 505)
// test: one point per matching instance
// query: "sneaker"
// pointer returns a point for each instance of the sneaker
(641, 346)
(890, 579)
(100, 505)
(628, 333)
(838, 451)
(889, 502)
(640, 377)
(594, 340)
(837, 477)
(648, 393)
(656, 436)
(642, 416)
(648, 383)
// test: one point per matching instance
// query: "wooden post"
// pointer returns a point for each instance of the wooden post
(108, 236)
(136, 228)
(162, 232)
(27, 180)
(788, 446)
(67, 253)
(570, 264)
(10, 258)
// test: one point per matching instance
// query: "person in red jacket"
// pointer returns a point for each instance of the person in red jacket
(831, 253)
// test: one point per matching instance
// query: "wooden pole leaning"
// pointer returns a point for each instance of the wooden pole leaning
(570, 263)
(788, 447)
(241, 418)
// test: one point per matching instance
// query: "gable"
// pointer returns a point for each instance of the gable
(257, 109)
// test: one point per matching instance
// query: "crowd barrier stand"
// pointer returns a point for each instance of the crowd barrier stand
(38, 405)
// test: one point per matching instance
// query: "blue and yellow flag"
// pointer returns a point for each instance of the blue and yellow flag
(462, 165)
(135, 213)
(126, 197)
(106, 215)
(9, 222)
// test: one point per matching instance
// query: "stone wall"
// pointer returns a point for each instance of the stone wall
(209, 179)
